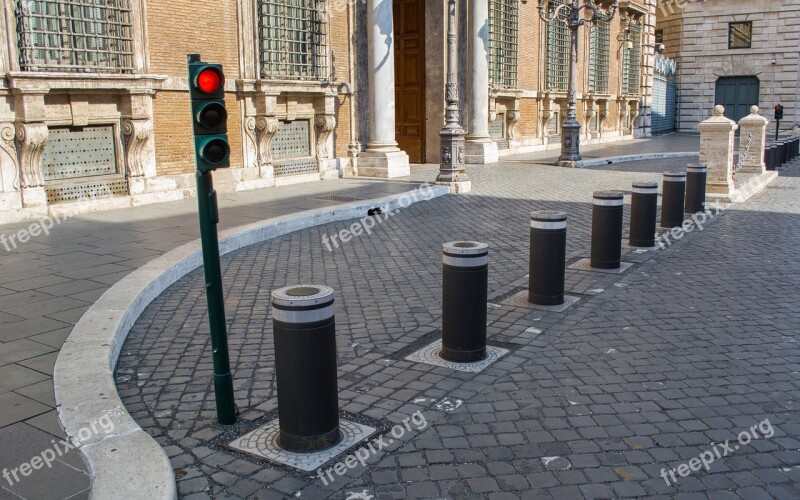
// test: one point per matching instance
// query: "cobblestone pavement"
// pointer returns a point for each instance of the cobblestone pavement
(48, 283)
(691, 346)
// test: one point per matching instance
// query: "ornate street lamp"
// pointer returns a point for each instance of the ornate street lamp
(570, 14)
(451, 165)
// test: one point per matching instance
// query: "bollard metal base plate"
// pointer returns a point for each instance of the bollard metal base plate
(521, 300)
(585, 265)
(263, 443)
(429, 355)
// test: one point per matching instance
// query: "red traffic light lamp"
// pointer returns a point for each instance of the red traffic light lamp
(209, 116)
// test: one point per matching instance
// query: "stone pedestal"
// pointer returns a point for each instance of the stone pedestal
(481, 151)
(752, 141)
(716, 151)
(385, 164)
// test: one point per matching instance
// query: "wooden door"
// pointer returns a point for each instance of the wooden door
(409, 57)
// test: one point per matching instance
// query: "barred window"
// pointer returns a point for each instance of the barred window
(557, 50)
(632, 60)
(503, 35)
(75, 35)
(293, 39)
(599, 56)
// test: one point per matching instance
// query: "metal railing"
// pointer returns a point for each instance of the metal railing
(503, 36)
(599, 56)
(293, 39)
(93, 36)
(557, 51)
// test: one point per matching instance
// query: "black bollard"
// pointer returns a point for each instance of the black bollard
(465, 285)
(782, 152)
(672, 199)
(644, 210)
(769, 157)
(696, 178)
(607, 230)
(548, 253)
(305, 368)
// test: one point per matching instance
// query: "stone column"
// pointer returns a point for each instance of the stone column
(382, 158)
(480, 148)
(716, 151)
(752, 141)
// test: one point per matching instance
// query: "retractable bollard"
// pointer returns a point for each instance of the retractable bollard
(795, 147)
(548, 254)
(607, 230)
(305, 368)
(782, 152)
(769, 157)
(644, 210)
(696, 178)
(672, 199)
(465, 285)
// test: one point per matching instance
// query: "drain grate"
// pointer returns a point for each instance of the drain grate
(338, 198)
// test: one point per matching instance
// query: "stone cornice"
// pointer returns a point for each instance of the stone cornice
(25, 82)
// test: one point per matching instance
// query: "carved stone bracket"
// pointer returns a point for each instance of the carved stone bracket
(137, 144)
(267, 127)
(603, 115)
(31, 138)
(251, 159)
(325, 125)
(9, 165)
(512, 119)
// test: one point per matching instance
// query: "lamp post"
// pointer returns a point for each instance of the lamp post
(570, 14)
(451, 165)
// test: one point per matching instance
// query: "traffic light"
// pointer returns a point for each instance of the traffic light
(209, 116)
(779, 112)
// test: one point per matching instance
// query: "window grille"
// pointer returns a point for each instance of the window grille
(599, 56)
(557, 50)
(293, 39)
(632, 60)
(503, 36)
(75, 35)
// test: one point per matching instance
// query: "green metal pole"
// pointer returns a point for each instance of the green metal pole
(209, 218)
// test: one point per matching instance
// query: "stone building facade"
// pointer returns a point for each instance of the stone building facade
(94, 103)
(736, 53)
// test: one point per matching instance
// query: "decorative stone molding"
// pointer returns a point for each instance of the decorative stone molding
(267, 127)
(138, 156)
(251, 156)
(9, 165)
(32, 139)
(512, 119)
(325, 125)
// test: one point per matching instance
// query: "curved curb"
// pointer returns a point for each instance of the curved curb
(124, 461)
(610, 160)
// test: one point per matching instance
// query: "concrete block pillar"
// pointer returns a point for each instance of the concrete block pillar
(480, 148)
(716, 151)
(382, 158)
(752, 141)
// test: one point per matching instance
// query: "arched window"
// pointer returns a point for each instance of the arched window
(293, 39)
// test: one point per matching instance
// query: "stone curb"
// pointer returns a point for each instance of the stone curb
(125, 462)
(609, 160)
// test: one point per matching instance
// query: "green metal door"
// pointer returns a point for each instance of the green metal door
(737, 94)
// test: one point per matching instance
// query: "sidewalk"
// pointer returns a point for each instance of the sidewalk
(49, 282)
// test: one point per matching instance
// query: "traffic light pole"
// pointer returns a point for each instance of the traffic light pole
(209, 218)
(777, 129)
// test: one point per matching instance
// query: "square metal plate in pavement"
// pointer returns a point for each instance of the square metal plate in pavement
(263, 443)
(585, 265)
(521, 300)
(429, 355)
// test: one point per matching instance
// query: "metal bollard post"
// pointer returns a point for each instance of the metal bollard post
(607, 230)
(696, 178)
(305, 368)
(644, 209)
(769, 157)
(465, 285)
(672, 200)
(795, 147)
(782, 152)
(548, 254)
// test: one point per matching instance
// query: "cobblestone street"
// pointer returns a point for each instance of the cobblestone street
(650, 369)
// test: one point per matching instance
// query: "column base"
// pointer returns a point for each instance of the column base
(753, 169)
(386, 165)
(720, 188)
(458, 187)
(569, 164)
(34, 197)
(481, 152)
